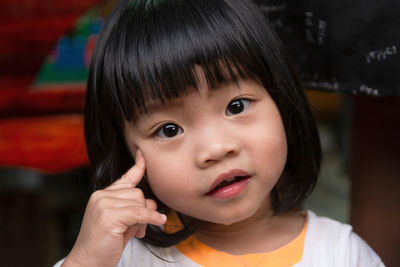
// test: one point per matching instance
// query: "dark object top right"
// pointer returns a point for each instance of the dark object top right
(345, 46)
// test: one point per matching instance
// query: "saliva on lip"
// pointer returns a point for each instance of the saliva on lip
(228, 182)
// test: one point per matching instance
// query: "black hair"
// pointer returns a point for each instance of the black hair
(149, 48)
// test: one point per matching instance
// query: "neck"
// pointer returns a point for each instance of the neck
(261, 232)
(262, 217)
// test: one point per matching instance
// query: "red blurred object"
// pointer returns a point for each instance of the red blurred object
(28, 31)
(47, 143)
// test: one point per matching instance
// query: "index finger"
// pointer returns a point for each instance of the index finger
(133, 176)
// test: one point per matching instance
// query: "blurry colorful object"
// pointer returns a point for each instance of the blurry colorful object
(68, 63)
(45, 47)
(29, 29)
(49, 143)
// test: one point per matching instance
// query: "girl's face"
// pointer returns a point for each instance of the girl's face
(213, 155)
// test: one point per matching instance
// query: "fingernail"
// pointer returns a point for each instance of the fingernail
(163, 217)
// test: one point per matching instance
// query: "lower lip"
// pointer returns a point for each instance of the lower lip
(231, 190)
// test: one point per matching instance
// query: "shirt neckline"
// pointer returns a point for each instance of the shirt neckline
(286, 255)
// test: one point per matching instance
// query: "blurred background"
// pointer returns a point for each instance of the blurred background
(347, 54)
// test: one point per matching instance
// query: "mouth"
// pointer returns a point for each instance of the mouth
(229, 184)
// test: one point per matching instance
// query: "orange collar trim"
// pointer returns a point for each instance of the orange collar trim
(204, 255)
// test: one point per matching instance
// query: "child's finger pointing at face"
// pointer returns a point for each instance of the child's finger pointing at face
(114, 215)
(133, 176)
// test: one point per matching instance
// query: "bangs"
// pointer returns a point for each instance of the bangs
(153, 50)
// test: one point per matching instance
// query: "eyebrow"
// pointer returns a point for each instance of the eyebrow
(153, 107)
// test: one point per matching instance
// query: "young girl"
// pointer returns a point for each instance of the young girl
(201, 99)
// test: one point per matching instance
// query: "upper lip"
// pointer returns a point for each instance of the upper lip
(227, 175)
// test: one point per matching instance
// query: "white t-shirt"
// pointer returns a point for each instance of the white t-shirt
(327, 243)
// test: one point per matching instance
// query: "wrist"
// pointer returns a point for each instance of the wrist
(76, 260)
(71, 262)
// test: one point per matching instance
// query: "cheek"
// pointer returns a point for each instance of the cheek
(165, 176)
(271, 147)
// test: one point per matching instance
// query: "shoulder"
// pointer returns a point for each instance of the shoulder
(137, 253)
(330, 241)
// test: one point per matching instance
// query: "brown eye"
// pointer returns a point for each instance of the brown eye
(237, 106)
(169, 130)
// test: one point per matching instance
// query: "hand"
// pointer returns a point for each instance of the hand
(112, 217)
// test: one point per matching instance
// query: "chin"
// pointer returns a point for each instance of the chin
(231, 218)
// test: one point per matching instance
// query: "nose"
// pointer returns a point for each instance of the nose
(215, 145)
